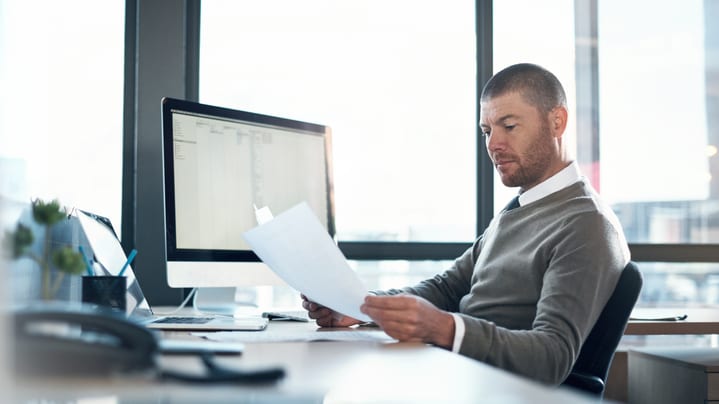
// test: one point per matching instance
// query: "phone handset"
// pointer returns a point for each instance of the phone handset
(80, 341)
(84, 342)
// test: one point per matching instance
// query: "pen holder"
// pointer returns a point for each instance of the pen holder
(107, 291)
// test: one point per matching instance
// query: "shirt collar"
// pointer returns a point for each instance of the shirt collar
(566, 177)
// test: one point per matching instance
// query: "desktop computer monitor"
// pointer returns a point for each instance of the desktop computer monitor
(221, 163)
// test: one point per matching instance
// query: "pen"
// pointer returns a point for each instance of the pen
(675, 318)
(130, 257)
(88, 265)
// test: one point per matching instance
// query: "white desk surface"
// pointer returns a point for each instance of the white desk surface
(704, 320)
(320, 372)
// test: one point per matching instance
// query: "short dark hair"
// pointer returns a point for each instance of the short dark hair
(537, 85)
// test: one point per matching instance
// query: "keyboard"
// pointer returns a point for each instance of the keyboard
(184, 320)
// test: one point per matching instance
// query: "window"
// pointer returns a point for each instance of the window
(395, 80)
(656, 145)
(61, 108)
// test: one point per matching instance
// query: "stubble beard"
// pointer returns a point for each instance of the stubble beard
(533, 165)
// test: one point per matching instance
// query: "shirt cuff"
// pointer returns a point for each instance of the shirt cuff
(458, 332)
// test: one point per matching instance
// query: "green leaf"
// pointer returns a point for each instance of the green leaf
(68, 260)
(47, 213)
(20, 240)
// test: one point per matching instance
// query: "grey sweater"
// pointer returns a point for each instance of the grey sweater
(531, 287)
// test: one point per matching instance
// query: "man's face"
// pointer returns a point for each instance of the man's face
(519, 140)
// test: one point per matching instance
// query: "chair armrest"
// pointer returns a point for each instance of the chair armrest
(585, 382)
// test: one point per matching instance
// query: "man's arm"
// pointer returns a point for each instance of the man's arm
(443, 291)
(411, 318)
(446, 289)
(583, 267)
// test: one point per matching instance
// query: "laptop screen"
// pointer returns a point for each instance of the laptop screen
(110, 258)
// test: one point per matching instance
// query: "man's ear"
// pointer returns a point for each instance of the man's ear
(558, 121)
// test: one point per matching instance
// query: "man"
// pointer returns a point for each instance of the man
(525, 296)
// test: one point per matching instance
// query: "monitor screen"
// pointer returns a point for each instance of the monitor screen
(219, 165)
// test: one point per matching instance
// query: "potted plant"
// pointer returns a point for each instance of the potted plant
(64, 259)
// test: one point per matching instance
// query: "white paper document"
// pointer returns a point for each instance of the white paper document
(294, 335)
(299, 250)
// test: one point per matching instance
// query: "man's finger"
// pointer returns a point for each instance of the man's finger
(401, 331)
(400, 302)
(383, 315)
(316, 314)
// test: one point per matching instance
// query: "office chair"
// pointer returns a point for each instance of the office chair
(590, 371)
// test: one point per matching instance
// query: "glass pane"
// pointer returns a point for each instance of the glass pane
(383, 275)
(61, 106)
(376, 275)
(396, 86)
(679, 284)
(657, 118)
(648, 126)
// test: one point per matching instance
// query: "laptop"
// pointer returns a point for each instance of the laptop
(106, 252)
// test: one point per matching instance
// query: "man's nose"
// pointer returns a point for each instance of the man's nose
(495, 142)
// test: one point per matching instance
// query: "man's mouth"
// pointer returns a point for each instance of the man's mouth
(500, 163)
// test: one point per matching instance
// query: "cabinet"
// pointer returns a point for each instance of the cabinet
(673, 375)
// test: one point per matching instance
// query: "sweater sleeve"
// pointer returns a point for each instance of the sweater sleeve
(583, 265)
(446, 289)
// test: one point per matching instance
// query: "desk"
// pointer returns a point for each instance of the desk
(327, 372)
(699, 321)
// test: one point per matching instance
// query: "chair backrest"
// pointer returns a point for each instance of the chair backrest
(590, 370)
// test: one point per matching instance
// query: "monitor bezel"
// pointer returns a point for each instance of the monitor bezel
(186, 255)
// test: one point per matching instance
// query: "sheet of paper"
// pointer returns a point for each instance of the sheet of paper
(299, 250)
(270, 335)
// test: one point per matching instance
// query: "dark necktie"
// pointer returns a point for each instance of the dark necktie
(514, 203)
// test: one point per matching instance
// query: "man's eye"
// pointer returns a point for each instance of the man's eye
(509, 127)
(486, 133)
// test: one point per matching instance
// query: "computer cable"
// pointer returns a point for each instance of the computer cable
(182, 305)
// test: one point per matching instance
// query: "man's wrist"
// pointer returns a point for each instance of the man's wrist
(445, 334)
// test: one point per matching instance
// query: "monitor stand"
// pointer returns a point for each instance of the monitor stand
(223, 300)
(215, 300)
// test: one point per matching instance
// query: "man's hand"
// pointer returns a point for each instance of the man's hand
(411, 318)
(326, 317)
